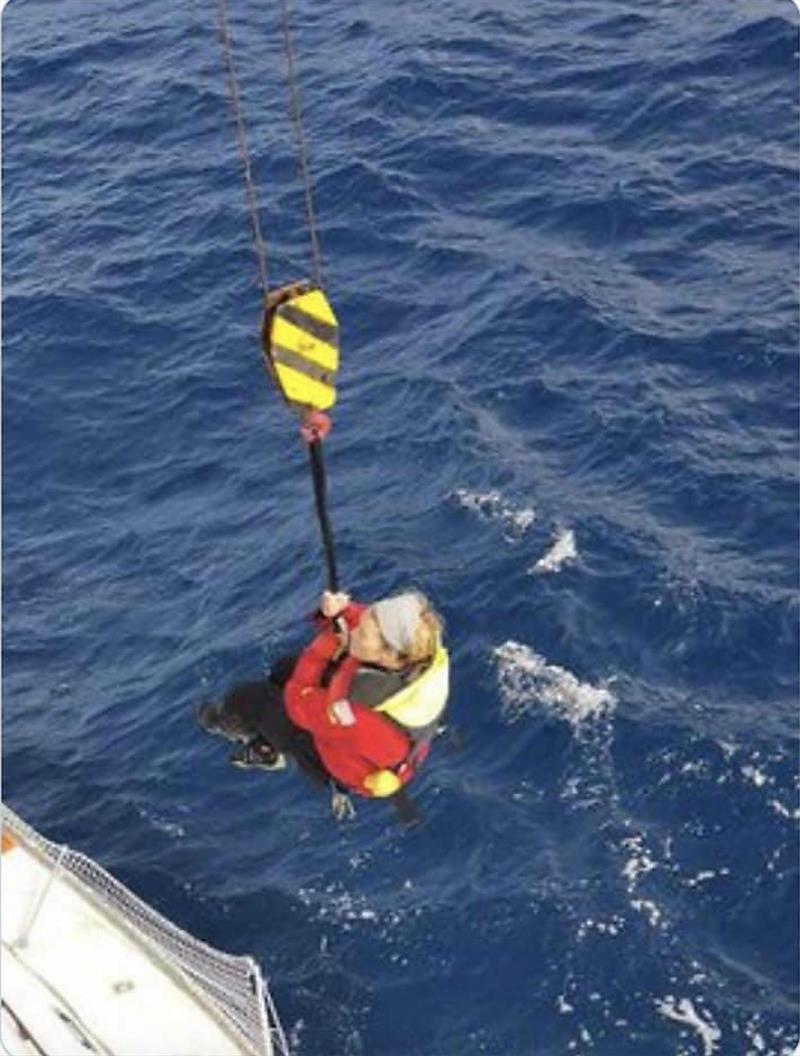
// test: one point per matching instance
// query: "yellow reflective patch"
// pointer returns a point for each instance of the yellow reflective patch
(299, 388)
(287, 335)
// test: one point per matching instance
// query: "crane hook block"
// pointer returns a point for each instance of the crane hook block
(300, 343)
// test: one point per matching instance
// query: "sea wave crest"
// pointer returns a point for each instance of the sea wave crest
(562, 552)
(528, 682)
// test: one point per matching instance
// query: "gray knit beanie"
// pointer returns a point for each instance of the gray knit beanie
(398, 618)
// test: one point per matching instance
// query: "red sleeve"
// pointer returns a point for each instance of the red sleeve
(353, 613)
(306, 701)
(303, 696)
(349, 753)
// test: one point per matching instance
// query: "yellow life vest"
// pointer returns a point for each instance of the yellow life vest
(417, 707)
(421, 702)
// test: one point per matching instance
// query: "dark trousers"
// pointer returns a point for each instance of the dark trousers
(256, 709)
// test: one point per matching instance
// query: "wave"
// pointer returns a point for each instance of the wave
(562, 552)
(527, 682)
(684, 1012)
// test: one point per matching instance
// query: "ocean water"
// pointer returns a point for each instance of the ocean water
(562, 240)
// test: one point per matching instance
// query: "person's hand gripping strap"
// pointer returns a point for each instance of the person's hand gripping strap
(332, 605)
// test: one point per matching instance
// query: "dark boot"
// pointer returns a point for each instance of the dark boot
(216, 718)
(258, 754)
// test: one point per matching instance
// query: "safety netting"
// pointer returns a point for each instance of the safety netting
(230, 987)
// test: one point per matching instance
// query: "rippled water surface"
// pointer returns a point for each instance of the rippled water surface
(562, 243)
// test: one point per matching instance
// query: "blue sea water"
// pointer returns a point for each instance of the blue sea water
(562, 240)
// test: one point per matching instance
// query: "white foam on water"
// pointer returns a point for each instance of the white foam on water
(784, 812)
(756, 776)
(169, 828)
(491, 506)
(335, 904)
(706, 874)
(728, 748)
(649, 909)
(698, 976)
(527, 682)
(562, 552)
(612, 927)
(639, 861)
(295, 1035)
(684, 1012)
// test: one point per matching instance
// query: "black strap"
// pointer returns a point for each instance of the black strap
(318, 474)
(406, 809)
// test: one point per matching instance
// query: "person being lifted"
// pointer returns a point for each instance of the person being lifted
(358, 708)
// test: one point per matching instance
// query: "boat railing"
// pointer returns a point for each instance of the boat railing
(232, 987)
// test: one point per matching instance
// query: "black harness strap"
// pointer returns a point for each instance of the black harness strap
(406, 809)
(318, 475)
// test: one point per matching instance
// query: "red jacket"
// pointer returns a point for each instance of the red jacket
(349, 753)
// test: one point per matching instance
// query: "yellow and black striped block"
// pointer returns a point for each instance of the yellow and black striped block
(304, 349)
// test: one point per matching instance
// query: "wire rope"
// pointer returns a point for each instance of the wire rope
(234, 98)
(301, 149)
(300, 145)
